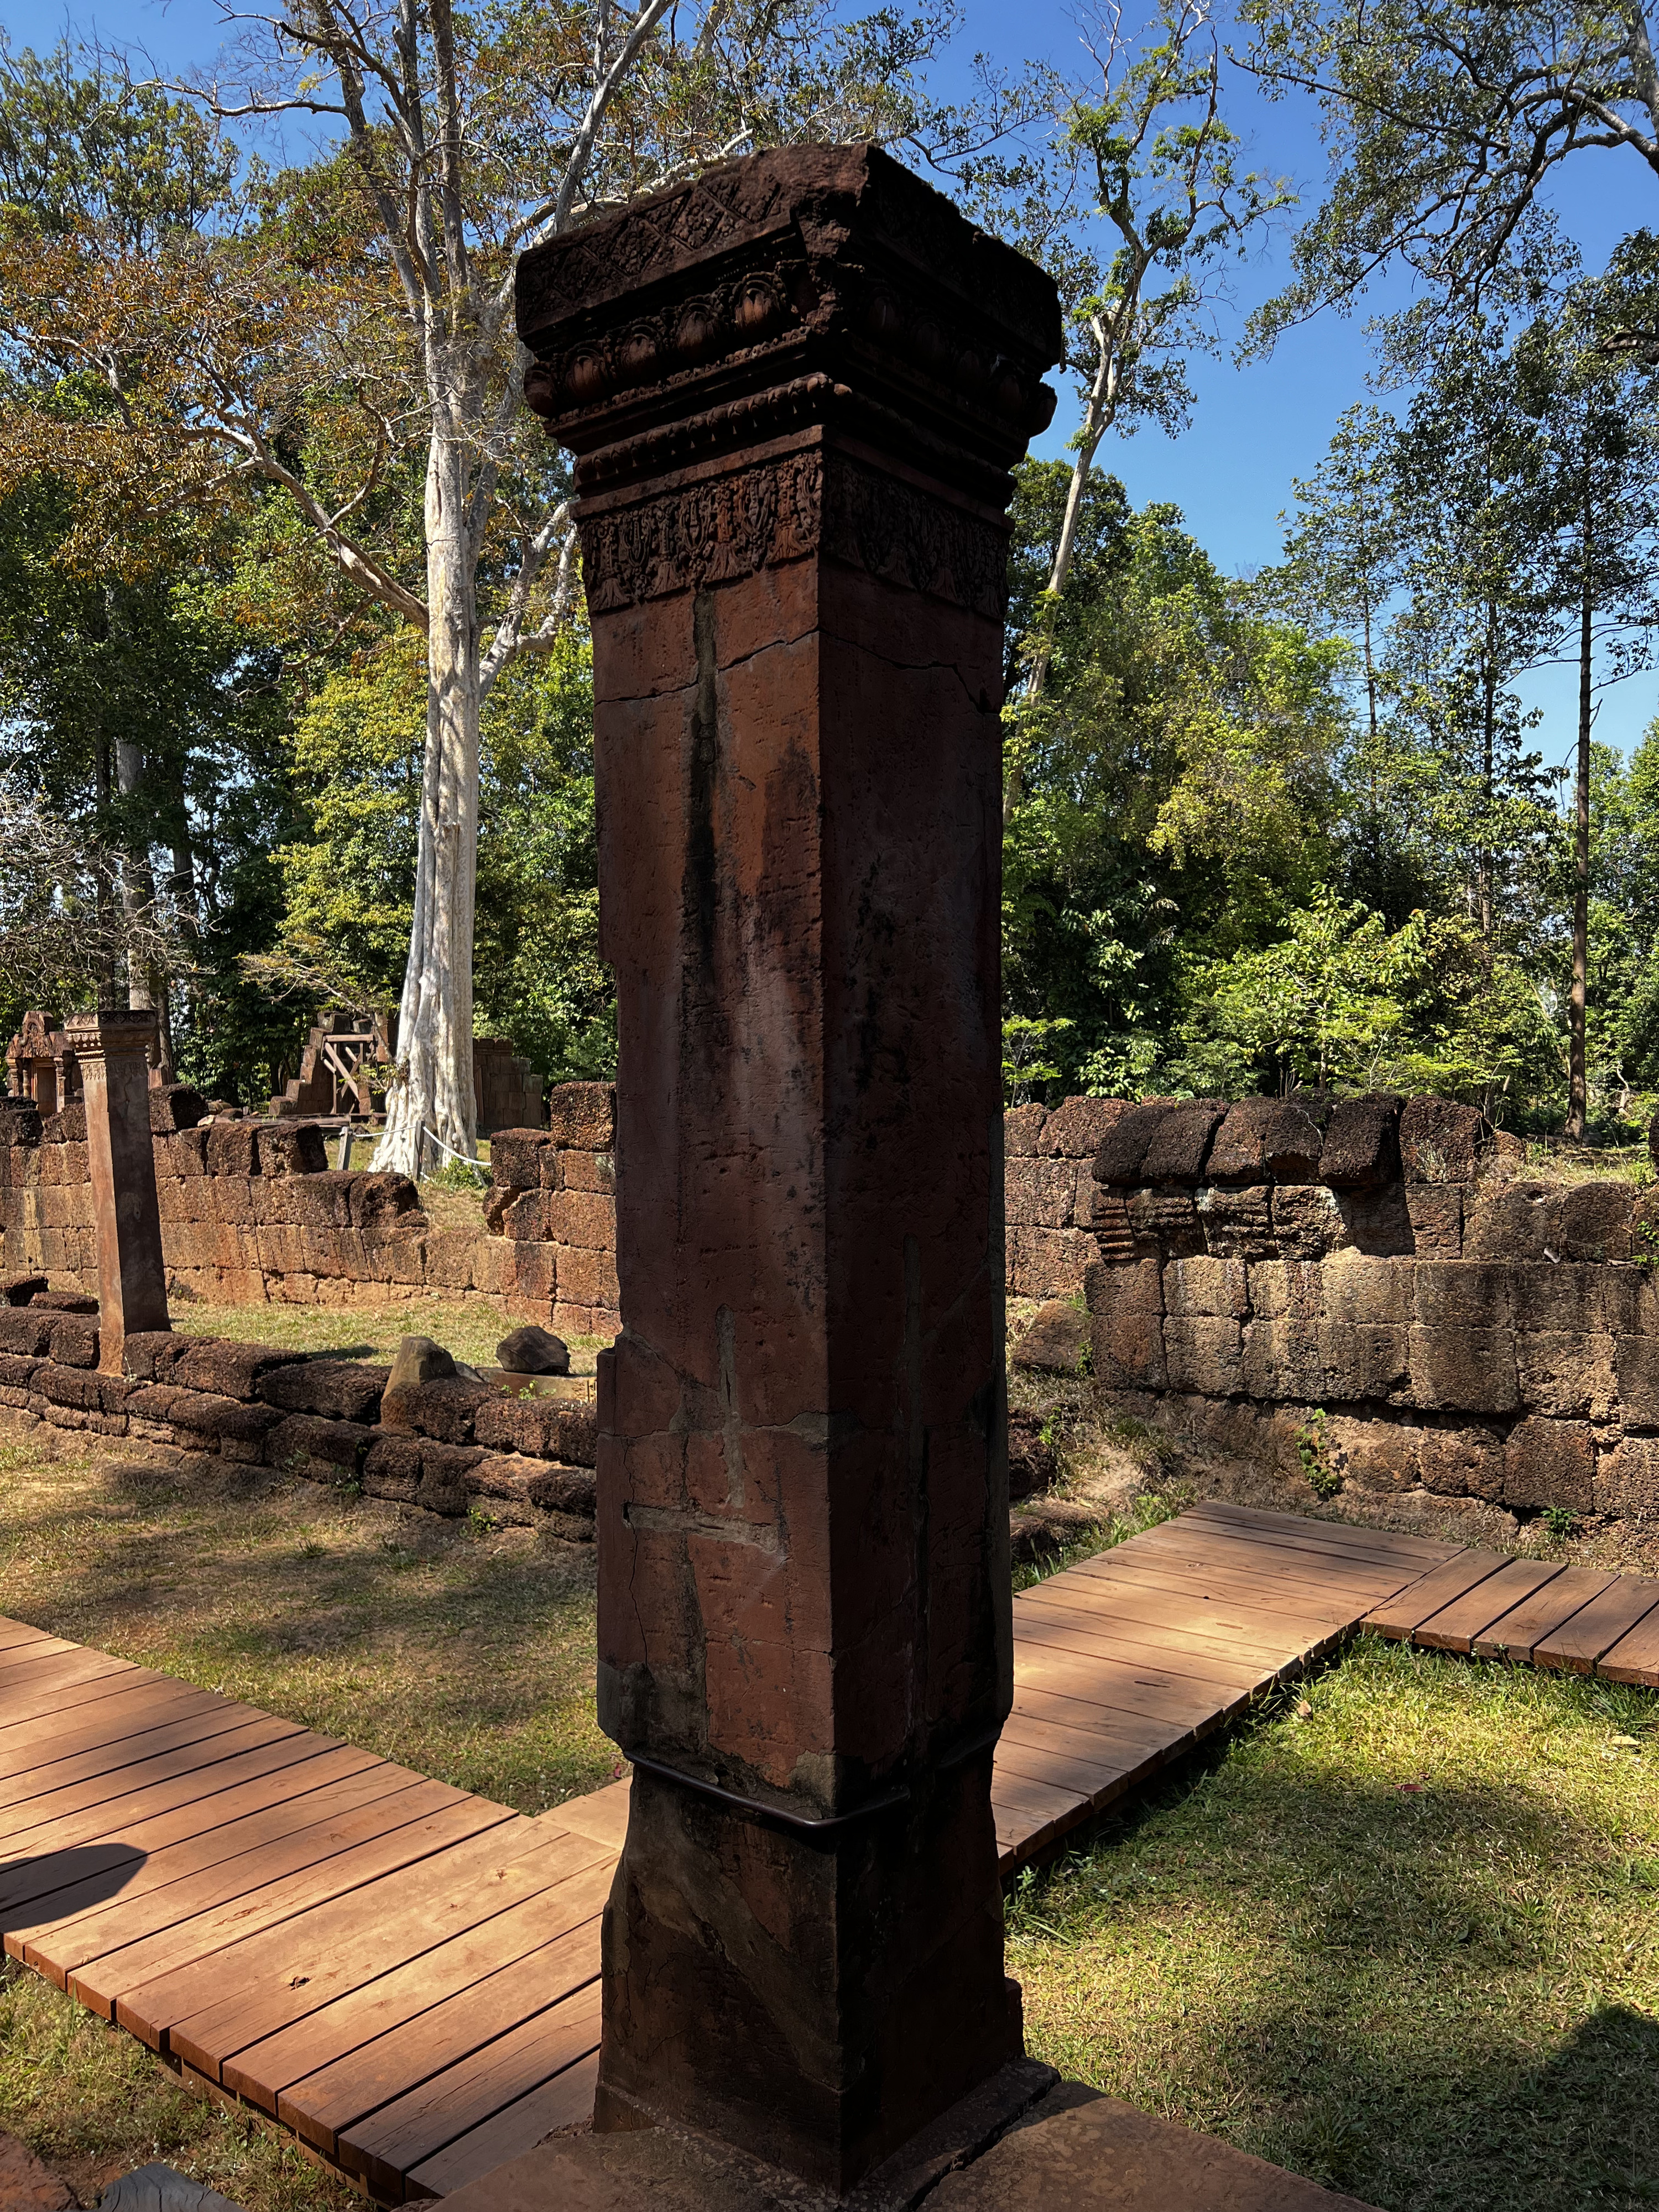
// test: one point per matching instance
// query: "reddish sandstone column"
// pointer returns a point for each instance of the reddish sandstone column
(795, 387)
(111, 1048)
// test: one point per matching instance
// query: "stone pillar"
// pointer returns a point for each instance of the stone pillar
(112, 1049)
(794, 388)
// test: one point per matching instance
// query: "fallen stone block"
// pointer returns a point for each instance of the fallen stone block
(1361, 1147)
(444, 1409)
(515, 1159)
(321, 1450)
(1033, 1463)
(532, 1350)
(174, 1106)
(74, 1341)
(229, 1370)
(1054, 1342)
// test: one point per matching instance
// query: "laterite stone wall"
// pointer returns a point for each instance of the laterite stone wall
(1464, 1332)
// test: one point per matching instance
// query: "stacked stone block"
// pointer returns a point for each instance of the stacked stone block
(454, 1447)
(1467, 1335)
(1047, 1193)
(552, 1213)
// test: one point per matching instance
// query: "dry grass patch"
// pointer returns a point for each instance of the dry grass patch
(1398, 1936)
(464, 1651)
(470, 1328)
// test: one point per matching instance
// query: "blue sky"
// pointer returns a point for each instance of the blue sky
(1254, 429)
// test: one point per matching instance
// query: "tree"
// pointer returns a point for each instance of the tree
(1601, 478)
(1445, 120)
(342, 334)
(1165, 184)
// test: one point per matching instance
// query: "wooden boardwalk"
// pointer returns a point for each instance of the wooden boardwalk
(407, 1976)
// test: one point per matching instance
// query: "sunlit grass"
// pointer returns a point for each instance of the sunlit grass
(1406, 1943)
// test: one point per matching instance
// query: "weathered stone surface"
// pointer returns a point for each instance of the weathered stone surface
(1636, 1363)
(1362, 1360)
(1078, 1126)
(343, 1389)
(1562, 1372)
(1462, 1294)
(1436, 1212)
(307, 1444)
(582, 1115)
(1124, 1145)
(133, 1293)
(1204, 1354)
(1550, 1463)
(1041, 1193)
(21, 1290)
(1361, 1146)
(1136, 1286)
(1377, 1222)
(1461, 1462)
(1054, 1342)
(1460, 1370)
(75, 1342)
(1282, 1359)
(1021, 1127)
(532, 1350)
(67, 1127)
(1358, 1289)
(1518, 1221)
(1550, 1298)
(174, 1106)
(1627, 1480)
(1164, 1221)
(444, 1409)
(1207, 1287)
(1181, 1142)
(516, 1157)
(1307, 1222)
(419, 1359)
(230, 1370)
(1375, 1454)
(66, 1301)
(19, 1122)
(1237, 1225)
(1264, 1140)
(25, 1332)
(1441, 1141)
(1127, 1350)
(543, 1428)
(1595, 1221)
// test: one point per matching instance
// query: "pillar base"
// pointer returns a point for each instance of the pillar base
(1023, 2143)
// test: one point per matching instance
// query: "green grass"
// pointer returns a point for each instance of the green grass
(464, 1651)
(470, 1328)
(1401, 1935)
(94, 2104)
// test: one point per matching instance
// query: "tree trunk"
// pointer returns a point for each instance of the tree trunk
(1579, 1000)
(431, 1093)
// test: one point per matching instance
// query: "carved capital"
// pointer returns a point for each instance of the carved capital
(812, 286)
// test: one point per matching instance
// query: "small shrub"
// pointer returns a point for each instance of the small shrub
(1313, 1449)
(1559, 1521)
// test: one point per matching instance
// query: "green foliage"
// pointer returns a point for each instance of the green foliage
(1313, 1449)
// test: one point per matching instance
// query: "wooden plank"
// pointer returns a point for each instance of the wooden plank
(411, 2130)
(325, 1956)
(18, 1632)
(1276, 1567)
(1401, 1615)
(1635, 1658)
(79, 1920)
(88, 1954)
(1290, 1549)
(1019, 1763)
(1125, 1735)
(1218, 1587)
(185, 1969)
(17, 1657)
(1045, 1812)
(1514, 1637)
(1579, 1642)
(1142, 1690)
(1481, 1610)
(129, 1705)
(1200, 1627)
(45, 1686)
(83, 1755)
(409, 2025)
(71, 1698)
(1090, 1750)
(602, 1815)
(78, 1811)
(1390, 1543)
(566, 2101)
(1166, 1653)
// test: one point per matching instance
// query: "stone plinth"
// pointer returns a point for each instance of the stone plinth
(112, 1048)
(794, 388)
